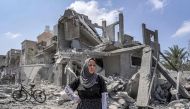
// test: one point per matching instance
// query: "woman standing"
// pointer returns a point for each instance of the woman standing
(91, 88)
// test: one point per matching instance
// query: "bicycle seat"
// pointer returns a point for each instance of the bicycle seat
(32, 85)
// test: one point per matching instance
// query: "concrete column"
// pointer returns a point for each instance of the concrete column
(121, 28)
(104, 28)
(110, 32)
(156, 36)
(61, 42)
(144, 80)
(58, 75)
(144, 33)
(157, 46)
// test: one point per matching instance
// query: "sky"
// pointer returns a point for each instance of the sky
(26, 19)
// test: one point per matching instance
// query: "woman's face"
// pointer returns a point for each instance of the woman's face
(92, 66)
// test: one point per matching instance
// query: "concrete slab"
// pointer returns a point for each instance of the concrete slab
(144, 80)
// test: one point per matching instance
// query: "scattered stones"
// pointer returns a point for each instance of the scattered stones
(58, 99)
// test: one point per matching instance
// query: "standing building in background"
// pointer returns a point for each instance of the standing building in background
(29, 50)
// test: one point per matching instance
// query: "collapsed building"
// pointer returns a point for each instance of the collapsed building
(2, 65)
(58, 57)
(82, 41)
(3, 61)
(9, 65)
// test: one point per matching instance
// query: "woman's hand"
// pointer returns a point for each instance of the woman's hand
(76, 99)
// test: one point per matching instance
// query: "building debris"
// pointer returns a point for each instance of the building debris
(133, 73)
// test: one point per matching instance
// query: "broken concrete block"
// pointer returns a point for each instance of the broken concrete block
(132, 86)
(145, 80)
(8, 90)
(122, 102)
(125, 96)
(60, 102)
(179, 104)
(4, 95)
(115, 105)
(112, 86)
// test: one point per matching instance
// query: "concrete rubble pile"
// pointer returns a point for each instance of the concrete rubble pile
(118, 96)
(52, 102)
(133, 72)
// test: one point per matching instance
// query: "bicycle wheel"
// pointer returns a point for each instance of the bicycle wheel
(19, 95)
(39, 96)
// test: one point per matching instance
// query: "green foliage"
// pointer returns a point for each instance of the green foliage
(177, 56)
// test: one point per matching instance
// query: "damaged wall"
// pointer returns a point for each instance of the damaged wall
(114, 67)
(13, 57)
(2, 60)
(62, 43)
(122, 64)
(35, 73)
(29, 50)
(85, 37)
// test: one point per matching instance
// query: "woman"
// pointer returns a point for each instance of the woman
(91, 88)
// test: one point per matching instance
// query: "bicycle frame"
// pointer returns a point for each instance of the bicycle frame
(25, 90)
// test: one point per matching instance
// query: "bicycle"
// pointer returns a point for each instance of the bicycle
(22, 94)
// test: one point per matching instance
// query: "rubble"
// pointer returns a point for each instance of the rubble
(134, 75)
(179, 104)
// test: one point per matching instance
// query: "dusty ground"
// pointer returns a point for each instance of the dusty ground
(29, 105)
(53, 99)
(57, 99)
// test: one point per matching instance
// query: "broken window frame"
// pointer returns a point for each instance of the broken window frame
(131, 60)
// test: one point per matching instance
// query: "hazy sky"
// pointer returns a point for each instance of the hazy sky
(26, 19)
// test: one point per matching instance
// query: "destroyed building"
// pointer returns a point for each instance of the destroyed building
(58, 57)
(38, 56)
(10, 64)
(47, 44)
(2, 65)
(2, 61)
(12, 61)
(29, 50)
(83, 40)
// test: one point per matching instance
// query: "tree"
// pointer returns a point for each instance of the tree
(176, 55)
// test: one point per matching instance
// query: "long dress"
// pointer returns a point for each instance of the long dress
(90, 97)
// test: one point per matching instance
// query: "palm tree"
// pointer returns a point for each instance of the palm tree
(176, 56)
